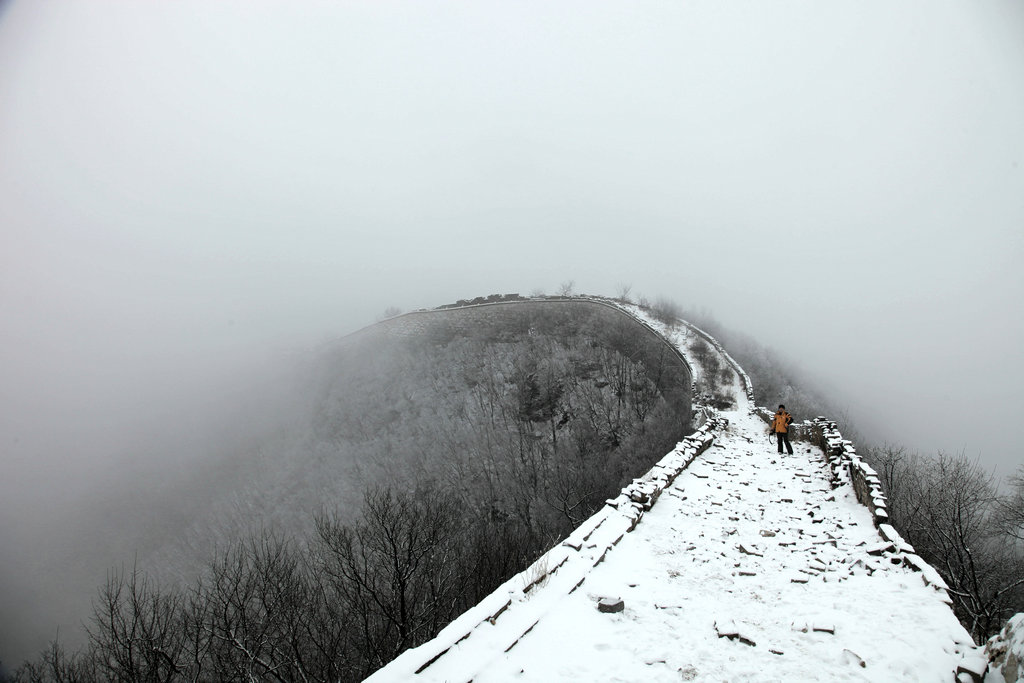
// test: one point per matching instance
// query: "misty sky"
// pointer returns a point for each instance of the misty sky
(188, 189)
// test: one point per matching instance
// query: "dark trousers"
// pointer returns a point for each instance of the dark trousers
(781, 437)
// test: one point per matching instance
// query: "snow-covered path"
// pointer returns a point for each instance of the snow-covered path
(749, 567)
(751, 542)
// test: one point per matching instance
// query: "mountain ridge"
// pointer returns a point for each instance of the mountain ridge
(500, 638)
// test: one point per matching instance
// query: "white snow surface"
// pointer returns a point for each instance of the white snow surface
(815, 604)
(749, 567)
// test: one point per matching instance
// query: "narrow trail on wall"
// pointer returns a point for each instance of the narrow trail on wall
(750, 566)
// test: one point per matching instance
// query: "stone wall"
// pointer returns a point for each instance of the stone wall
(847, 466)
(748, 387)
(843, 458)
(622, 514)
(564, 567)
(570, 561)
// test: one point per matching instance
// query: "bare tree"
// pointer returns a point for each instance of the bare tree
(137, 632)
(257, 599)
(566, 288)
(948, 508)
(667, 311)
(1011, 516)
(395, 570)
(899, 472)
(55, 665)
(526, 439)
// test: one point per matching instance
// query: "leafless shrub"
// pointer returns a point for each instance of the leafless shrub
(137, 630)
(623, 291)
(55, 665)
(528, 441)
(1011, 514)
(256, 598)
(667, 311)
(951, 512)
(395, 571)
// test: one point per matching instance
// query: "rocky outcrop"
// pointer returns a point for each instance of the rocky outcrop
(1005, 653)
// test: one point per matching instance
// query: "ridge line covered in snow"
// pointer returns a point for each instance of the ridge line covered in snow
(754, 567)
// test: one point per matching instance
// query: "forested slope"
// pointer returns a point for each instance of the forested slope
(420, 471)
(564, 399)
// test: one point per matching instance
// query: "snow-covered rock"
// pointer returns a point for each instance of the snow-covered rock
(1005, 653)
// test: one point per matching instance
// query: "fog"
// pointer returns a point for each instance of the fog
(191, 193)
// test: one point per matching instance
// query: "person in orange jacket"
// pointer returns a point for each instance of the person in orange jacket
(780, 425)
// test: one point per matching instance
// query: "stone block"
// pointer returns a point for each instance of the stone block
(889, 533)
(728, 629)
(610, 605)
(974, 666)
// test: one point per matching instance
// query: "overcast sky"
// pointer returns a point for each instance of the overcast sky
(189, 189)
(186, 187)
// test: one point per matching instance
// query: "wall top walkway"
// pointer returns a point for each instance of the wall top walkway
(748, 567)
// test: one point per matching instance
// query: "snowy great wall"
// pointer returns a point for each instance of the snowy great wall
(726, 562)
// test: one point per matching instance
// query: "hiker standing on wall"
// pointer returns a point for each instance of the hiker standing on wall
(780, 425)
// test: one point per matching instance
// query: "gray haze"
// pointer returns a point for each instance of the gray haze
(191, 191)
